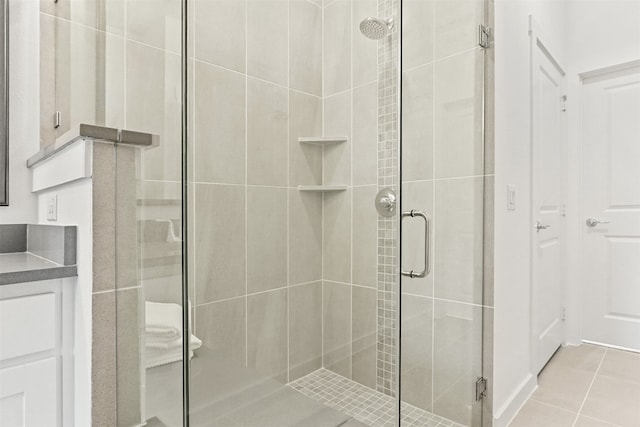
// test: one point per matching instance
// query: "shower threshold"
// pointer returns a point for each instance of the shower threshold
(362, 403)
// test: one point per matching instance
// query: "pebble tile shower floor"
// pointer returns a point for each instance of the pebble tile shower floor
(363, 403)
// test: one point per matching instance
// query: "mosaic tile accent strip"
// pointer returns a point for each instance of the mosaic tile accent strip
(366, 405)
(388, 176)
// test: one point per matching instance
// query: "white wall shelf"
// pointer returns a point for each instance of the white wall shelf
(322, 140)
(322, 188)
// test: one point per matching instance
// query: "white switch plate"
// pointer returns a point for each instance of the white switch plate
(52, 208)
(511, 197)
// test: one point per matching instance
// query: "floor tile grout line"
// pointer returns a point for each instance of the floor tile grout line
(595, 375)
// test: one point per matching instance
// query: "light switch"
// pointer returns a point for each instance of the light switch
(52, 208)
(511, 197)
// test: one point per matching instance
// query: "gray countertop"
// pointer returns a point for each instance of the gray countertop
(25, 267)
(35, 252)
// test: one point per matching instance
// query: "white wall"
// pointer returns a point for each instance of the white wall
(75, 208)
(601, 33)
(587, 34)
(24, 110)
(513, 380)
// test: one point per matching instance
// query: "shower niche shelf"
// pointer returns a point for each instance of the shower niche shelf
(322, 188)
(322, 140)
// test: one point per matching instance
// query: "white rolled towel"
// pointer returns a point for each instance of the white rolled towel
(158, 356)
(163, 321)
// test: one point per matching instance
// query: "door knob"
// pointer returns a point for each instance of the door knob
(541, 226)
(592, 222)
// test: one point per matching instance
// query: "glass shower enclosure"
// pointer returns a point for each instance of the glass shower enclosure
(313, 229)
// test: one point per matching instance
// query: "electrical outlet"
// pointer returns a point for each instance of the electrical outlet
(52, 208)
(511, 197)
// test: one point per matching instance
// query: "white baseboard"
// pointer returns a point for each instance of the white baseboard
(505, 414)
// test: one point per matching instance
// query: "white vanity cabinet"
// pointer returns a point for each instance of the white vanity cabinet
(36, 366)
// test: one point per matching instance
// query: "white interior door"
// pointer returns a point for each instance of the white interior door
(548, 168)
(611, 194)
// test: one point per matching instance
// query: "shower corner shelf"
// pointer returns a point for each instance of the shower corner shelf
(322, 140)
(322, 188)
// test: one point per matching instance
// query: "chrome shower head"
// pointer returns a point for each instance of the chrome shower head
(375, 28)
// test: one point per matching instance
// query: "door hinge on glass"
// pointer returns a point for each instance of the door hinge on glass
(484, 36)
(56, 120)
(563, 103)
(481, 388)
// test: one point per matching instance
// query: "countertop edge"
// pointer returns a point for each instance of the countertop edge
(38, 275)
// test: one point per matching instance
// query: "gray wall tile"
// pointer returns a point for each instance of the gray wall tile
(219, 125)
(456, 25)
(458, 115)
(267, 40)
(47, 78)
(267, 333)
(267, 122)
(104, 217)
(363, 358)
(222, 327)
(457, 361)
(154, 22)
(103, 360)
(417, 33)
(130, 318)
(417, 121)
(305, 329)
(266, 238)
(126, 218)
(337, 47)
(305, 119)
(365, 236)
(459, 240)
(365, 135)
(305, 237)
(220, 32)
(153, 79)
(337, 237)
(337, 122)
(305, 47)
(364, 50)
(417, 333)
(337, 328)
(220, 242)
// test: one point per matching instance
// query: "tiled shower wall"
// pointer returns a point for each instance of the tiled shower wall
(350, 229)
(257, 87)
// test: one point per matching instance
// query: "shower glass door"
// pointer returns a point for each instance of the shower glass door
(294, 212)
(293, 129)
(447, 176)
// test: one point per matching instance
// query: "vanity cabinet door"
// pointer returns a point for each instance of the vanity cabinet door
(29, 395)
(28, 325)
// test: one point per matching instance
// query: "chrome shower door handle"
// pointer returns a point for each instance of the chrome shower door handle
(427, 237)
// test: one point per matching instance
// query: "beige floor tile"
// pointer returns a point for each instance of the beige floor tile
(584, 357)
(591, 422)
(622, 365)
(538, 414)
(614, 401)
(563, 387)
